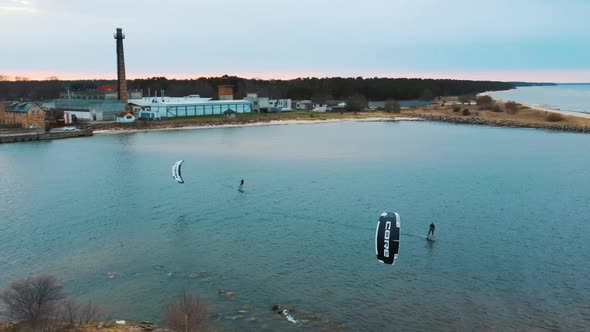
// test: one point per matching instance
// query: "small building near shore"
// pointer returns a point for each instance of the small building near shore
(259, 104)
(229, 114)
(304, 105)
(265, 104)
(84, 115)
(279, 105)
(125, 117)
(23, 115)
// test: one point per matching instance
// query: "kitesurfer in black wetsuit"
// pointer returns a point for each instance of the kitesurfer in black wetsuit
(241, 183)
(431, 229)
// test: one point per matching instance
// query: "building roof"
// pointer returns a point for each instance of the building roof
(149, 101)
(182, 101)
(229, 111)
(19, 107)
(106, 87)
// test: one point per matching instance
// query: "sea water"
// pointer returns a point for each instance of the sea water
(511, 208)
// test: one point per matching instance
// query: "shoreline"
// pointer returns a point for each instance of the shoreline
(35, 135)
(251, 124)
(563, 112)
(528, 116)
(477, 121)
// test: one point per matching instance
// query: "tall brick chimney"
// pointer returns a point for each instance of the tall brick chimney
(122, 80)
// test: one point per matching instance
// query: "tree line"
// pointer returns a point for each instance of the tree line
(316, 89)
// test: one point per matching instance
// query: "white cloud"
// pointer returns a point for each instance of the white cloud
(16, 6)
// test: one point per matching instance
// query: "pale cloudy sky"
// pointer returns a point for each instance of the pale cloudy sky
(531, 40)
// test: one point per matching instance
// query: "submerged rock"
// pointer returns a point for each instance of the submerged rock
(312, 317)
(224, 293)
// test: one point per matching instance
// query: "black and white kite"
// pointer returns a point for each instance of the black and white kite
(176, 175)
(387, 237)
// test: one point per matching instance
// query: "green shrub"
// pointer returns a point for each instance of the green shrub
(466, 112)
(496, 108)
(456, 108)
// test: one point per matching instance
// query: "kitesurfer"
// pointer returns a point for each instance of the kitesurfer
(431, 229)
(241, 183)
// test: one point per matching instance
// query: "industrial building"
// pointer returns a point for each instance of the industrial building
(265, 104)
(24, 115)
(88, 109)
(155, 108)
(101, 92)
(259, 104)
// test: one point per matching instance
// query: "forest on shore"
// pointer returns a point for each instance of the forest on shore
(316, 89)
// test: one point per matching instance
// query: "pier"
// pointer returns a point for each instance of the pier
(41, 135)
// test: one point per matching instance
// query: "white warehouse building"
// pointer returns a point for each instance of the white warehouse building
(193, 105)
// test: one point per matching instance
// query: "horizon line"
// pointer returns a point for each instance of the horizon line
(558, 76)
(28, 79)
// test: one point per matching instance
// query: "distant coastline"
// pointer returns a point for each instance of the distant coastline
(559, 97)
(520, 84)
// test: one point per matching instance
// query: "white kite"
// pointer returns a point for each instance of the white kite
(176, 175)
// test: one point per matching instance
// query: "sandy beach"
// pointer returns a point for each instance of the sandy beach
(572, 113)
(255, 124)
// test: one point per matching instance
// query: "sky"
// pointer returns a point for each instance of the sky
(506, 40)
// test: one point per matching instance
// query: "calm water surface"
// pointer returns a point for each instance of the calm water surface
(511, 206)
(568, 97)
